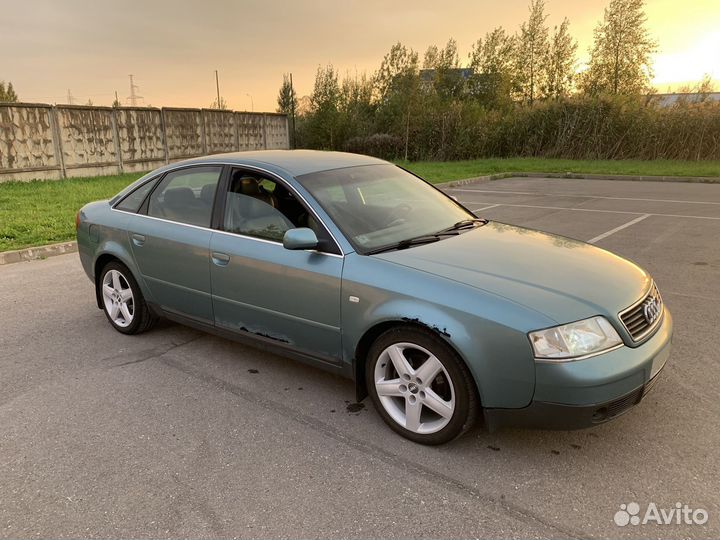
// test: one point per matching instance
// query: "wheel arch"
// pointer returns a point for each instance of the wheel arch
(113, 252)
(371, 334)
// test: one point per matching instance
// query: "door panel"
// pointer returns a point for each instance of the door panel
(289, 296)
(174, 260)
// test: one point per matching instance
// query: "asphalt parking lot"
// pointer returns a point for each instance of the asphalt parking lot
(176, 433)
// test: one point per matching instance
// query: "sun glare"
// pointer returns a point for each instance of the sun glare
(688, 66)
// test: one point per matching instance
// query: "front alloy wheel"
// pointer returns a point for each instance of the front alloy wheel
(420, 387)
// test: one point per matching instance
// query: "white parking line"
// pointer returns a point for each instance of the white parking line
(616, 229)
(595, 210)
(486, 207)
(551, 195)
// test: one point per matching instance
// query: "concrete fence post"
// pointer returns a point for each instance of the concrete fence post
(203, 132)
(236, 123)
(57, 140)
(116, 140)
(264, 130)
(287, 132)
(163, 130)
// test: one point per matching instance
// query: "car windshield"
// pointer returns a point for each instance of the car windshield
(382, 205)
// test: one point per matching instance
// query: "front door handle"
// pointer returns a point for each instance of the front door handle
(220, 259)
(138, 239)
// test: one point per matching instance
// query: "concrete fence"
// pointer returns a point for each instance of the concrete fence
(53, 142)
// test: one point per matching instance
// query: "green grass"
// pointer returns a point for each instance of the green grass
(442, 171)
(43, 212)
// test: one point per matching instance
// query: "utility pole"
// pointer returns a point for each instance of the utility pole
(217, 87)
(117, 101)
(70, 98)
(292, 111)
(252, 103)
(133, 95)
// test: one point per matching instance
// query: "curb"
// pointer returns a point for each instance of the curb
(583, 176)
(39, 252)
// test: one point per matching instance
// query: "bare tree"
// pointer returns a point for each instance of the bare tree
(222, 106)
(621, 55)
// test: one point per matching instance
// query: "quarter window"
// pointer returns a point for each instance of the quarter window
(186, 196)
(132, 202)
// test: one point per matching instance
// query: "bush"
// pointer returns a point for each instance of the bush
(580, 127)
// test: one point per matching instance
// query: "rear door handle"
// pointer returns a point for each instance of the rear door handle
(220, 259)
(138, 239)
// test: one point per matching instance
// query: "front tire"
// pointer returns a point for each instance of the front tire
(420, 387)
(122, 300)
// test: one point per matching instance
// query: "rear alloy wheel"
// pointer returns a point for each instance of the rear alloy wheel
(420, 387)
(122, 300)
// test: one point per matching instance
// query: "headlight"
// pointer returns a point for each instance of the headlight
(580, 338)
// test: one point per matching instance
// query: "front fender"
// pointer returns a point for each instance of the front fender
(486, 331)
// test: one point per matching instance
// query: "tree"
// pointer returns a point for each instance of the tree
(397, 86)
(222, 106)
(323, 119)
(287, 98)
(531, 53)
(447, 81)
(621, 54)
(356, 108)
(398, 68)
(491, 60)
(561, 62)
(7, 94)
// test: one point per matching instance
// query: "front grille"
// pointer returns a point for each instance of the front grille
(641, 318)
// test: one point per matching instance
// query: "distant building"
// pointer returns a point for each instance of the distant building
(668, 100)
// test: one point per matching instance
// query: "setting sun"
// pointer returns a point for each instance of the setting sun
(687, 67)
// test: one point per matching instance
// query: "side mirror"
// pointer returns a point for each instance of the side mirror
(300, 238)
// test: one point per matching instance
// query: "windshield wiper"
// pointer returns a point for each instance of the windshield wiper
(464, 224)
(404, 244)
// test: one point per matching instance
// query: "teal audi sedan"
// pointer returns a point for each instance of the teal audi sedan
(359, 267)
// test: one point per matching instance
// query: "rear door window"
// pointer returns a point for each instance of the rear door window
(186, 196)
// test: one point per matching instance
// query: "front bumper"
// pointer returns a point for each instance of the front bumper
(581, 394)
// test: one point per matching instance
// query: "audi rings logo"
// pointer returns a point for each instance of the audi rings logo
(651, 309)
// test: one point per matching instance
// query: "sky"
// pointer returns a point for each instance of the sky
(89, 47)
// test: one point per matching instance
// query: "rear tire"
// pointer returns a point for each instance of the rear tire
(122, 300)
(420, 387)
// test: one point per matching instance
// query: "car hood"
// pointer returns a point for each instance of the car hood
(562, 278)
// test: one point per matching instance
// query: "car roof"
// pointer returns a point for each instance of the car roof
(293, 162)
